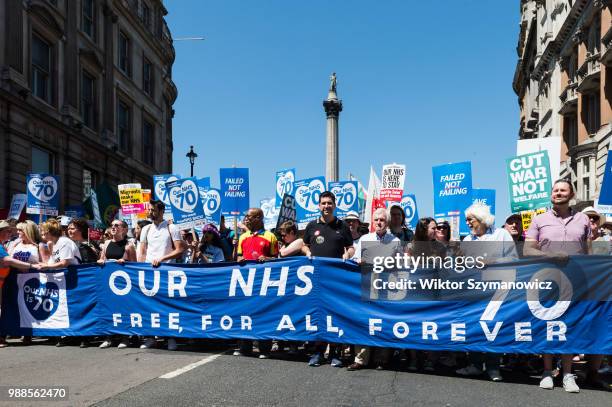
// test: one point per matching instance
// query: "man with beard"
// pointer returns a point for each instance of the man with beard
(160, 242)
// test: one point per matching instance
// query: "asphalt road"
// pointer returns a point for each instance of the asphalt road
(208, 375)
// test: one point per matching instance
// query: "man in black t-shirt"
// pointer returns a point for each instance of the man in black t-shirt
(329, 236)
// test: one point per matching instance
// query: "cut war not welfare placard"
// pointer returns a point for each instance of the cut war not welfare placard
(529, 181)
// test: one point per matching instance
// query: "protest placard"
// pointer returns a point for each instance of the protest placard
(393, 177)
(43, 194)
(187, 210)
(453, 191)
(234, 190)
(346, 197)
(130, 196)
(285, 180)
(529, 181)
(307, 194)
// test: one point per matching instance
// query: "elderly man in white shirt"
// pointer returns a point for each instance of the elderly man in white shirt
(381, 234)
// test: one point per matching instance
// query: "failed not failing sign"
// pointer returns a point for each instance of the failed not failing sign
(529, 181)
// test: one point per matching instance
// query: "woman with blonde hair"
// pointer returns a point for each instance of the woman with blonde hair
(28, 249)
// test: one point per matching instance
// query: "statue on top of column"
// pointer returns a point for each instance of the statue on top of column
(332, 82)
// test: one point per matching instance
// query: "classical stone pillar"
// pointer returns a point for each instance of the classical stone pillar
(333, 107)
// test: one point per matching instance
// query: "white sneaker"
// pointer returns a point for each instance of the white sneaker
(470, 370)
(569, 384)
(148, 344)
(237, 353)
(105, 344)
(547, 382)
(172, 344)
(123, 344)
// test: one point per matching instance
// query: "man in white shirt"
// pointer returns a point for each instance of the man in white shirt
(381, 234)
(160, 242)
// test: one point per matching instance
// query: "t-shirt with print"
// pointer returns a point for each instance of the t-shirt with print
(65, 249)
(27, 253)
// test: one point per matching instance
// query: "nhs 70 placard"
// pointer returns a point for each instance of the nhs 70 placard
(346, 197)
(160, 192)
(307, 194)
(211, 201)
(187, 210)
(43, 194)
(285, 180)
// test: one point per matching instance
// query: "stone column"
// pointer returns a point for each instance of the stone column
(333, 107)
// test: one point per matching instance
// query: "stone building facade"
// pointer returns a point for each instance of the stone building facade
(86, 93)
(563, 80)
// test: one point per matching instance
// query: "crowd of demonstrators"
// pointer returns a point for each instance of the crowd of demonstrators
(556, 234)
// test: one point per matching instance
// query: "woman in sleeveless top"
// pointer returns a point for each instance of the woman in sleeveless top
(118, 248)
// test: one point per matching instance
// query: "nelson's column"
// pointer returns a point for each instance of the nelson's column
(333, 107)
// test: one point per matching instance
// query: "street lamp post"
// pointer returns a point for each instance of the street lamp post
(192, 156)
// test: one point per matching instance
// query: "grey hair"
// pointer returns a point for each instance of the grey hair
(481, 212)
(383, 211)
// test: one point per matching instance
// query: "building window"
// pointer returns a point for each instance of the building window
(147, 77)
(88, 18)
(88, 100)
(570, 131)
(89, 182)
(124, 128)
(148, 143)
(572, 67)
(124, 53)
(586, 178)
(42, 161)
(146, 15)
(592, 114)
(41, 69)
(594, 36)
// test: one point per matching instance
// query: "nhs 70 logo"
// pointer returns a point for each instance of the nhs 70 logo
(183, 195)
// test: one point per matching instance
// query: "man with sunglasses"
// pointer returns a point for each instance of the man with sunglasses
(601, 243)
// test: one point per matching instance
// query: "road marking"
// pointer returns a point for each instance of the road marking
(190, 366)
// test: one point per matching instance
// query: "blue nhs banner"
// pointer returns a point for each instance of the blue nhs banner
(187, 210)
(43, 194)
(234, 190)
(307, 194)
(319, 299)
(484, 196)
(285, 180)
(346, 197)
(452, 184)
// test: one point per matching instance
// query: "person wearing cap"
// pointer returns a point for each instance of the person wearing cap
(210, 249)
(514, 226)
(354, 224)
(6, 262)
(600, 244)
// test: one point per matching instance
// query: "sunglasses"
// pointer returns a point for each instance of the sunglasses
(442, 227)
(594, 218)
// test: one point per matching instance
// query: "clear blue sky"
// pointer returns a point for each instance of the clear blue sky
(422, 83)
